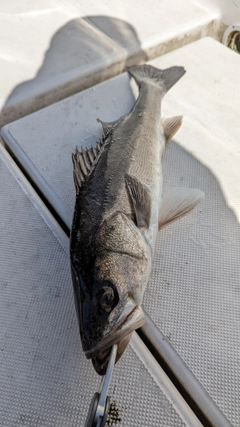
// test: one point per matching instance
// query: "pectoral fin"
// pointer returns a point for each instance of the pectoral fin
(141, 200)
(170, 126)
(177, 203)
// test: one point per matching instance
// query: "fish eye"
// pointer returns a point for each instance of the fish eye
(107, 299)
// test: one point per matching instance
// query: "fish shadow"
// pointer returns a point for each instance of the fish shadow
(107, 42)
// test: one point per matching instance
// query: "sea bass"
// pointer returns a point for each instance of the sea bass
(118, 212)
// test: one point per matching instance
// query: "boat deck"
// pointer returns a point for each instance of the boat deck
(183, 369)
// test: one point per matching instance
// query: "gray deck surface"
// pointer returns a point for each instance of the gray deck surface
(193, 296)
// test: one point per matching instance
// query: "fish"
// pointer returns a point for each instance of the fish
(119, 210)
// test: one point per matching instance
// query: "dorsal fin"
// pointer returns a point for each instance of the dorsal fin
(170, 126)
(108, 126)
(84, 162)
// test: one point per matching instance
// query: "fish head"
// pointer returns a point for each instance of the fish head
(112, 290)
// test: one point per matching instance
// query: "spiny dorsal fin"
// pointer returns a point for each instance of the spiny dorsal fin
(77, 171)
(84, 162)
(170, 126)
(90, 154)
(177, 203)
(141, 200)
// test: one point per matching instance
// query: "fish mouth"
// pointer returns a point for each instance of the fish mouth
(120, 335)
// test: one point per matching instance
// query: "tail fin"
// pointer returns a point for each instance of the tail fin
(162, 78)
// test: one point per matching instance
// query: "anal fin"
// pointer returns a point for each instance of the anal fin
(170, 126)
(177, 203)
(141, 200)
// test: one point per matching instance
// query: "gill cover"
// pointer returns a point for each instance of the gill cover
(120, 235)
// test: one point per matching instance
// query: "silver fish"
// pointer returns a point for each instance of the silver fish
(118, 212)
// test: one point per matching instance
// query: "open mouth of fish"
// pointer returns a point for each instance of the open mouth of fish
(128, 322)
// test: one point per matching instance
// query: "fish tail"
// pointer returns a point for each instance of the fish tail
(165, 79)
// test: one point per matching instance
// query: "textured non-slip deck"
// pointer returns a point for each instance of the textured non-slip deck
(193, 297)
